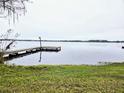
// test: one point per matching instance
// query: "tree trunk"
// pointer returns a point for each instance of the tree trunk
(1, 58)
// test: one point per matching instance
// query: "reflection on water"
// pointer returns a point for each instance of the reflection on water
(40, 56)
(71, 53)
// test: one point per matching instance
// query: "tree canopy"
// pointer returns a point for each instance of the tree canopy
(10, 7)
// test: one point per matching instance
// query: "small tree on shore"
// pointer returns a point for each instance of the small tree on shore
(4, 44)
(12, 9)
(9, 8)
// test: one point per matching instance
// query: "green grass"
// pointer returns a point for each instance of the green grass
(62, 79)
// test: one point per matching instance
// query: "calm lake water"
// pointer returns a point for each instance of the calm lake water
(71, 53)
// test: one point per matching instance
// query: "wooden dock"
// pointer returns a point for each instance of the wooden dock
(31, 50)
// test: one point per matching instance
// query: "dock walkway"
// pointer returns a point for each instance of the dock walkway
(31, 50)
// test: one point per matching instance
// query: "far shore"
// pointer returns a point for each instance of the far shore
(83, 41)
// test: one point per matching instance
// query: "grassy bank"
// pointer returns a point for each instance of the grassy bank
(62, 79)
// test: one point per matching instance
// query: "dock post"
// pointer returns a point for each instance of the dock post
(40, 42)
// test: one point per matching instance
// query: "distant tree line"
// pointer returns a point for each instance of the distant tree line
(94, 41)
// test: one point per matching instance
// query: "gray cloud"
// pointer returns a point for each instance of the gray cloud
(73, 19)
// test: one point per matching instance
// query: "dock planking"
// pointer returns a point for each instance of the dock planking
(31, 50)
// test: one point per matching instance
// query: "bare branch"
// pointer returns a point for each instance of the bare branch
(11, 7)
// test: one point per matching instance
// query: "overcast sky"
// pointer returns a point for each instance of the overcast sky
(72, 19)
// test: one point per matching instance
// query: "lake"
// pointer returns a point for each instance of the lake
(71, 53)
(70, 20)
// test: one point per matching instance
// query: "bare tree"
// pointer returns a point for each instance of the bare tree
(12, 9)
(5, 45)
